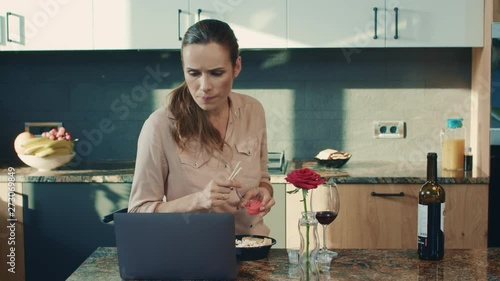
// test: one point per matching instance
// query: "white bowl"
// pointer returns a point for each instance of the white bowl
(46, 163)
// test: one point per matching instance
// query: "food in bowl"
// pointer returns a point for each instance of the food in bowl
(253, 247)
(249, 241)
(332, 154)
(333, 158)
(53, 143)
(21, 138)
(52, 150)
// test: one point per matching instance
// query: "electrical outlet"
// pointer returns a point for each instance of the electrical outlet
(389, 129)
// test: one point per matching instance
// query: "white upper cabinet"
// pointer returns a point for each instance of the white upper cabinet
(380, 23)
(140, 24)
(339, 23)
(430, 23)
(256, 23)
(159, 24)
(45, 25)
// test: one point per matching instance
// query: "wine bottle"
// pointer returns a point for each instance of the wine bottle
(431, 202)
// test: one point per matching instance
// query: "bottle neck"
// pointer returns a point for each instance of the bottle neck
(432, 170)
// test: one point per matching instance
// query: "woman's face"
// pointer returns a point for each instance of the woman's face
(209, 74)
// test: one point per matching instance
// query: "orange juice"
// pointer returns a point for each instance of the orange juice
(453, 154)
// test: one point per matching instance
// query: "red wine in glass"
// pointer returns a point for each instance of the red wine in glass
(326, 217)
(326, 205)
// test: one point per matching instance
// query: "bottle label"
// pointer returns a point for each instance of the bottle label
(422, 221)
(431, 230)
(423, 216)
(442, 217)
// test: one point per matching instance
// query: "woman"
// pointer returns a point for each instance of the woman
(188, 150)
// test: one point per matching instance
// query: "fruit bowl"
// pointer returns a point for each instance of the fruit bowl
(48, 163)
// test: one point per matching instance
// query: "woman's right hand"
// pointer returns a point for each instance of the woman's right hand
(216, 192)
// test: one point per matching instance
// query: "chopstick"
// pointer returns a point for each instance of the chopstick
(236, 170)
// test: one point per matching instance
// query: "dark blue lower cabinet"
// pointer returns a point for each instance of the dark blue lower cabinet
(62, 225)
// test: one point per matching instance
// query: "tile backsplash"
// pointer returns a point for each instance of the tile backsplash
(314, 98)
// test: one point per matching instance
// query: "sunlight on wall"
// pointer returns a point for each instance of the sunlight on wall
(423, 119)
(111, 197)
(159, 98)
(278, 105)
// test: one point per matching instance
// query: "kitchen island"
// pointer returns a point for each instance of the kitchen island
(79, 195)
(352, 264)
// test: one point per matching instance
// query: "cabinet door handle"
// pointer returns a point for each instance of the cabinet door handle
(179, 11)
(375, 10)
(199, 14)
(400, 194)
(21, 33)
(396, 12)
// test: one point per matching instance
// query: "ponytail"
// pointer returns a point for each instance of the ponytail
(191, 122)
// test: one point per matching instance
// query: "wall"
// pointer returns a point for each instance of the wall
(314, 98)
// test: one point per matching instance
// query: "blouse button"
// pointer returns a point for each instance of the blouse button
(196, 164)
(225, 165)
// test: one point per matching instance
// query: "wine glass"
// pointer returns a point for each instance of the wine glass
(325, 202)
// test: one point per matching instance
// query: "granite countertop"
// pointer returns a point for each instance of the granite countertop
(355, 264)
(387, 172)
(353, 172)
(107, 171)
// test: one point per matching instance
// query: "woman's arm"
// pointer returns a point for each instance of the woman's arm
(267, 186)
(265, 182)
(151, 170)
(149, 186)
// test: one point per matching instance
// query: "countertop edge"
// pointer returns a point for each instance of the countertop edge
(354, 173)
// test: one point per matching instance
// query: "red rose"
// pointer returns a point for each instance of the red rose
(253, 207)
(304, 178)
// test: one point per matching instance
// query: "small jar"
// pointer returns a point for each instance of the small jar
(468, 159)
(453, 145)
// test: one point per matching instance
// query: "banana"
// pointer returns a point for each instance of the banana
(53, 152)
(34, 148)
(60, 144)
(33, 141)
(38, 145)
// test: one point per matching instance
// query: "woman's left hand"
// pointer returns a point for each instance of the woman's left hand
(262, 194)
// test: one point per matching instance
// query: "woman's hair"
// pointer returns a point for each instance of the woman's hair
(191, 122)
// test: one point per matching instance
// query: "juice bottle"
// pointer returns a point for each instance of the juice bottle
(453, 145)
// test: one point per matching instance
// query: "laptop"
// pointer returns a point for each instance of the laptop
(176, 246)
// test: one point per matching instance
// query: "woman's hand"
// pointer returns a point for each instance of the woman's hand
(262, 194)
(216, 192)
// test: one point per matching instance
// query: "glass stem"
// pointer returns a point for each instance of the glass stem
(324, 236)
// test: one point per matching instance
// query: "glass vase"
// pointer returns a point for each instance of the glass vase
(309, 246)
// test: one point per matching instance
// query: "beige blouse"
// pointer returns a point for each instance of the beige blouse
(167, 177)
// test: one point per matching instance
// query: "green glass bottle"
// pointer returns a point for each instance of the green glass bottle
(431, 202)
